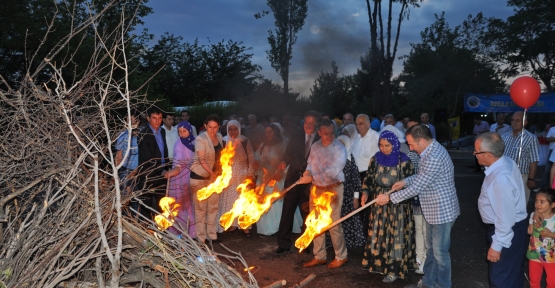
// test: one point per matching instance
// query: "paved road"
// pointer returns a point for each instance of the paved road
(468, 248)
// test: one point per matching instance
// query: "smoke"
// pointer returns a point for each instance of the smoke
(332, 43)
(344, 40)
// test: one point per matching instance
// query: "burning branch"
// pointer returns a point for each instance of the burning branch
(222, 181)
(251, 204)
(318, 219)
(306, 240)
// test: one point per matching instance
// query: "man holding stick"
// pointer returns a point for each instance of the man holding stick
(325, 172)
(435, 186)
(296, 156)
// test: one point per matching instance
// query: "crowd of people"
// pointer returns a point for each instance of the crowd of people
(399, 164)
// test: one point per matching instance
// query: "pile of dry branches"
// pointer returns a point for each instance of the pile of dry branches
(61, 212)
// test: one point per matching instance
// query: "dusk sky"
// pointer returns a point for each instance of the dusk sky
(334, 30)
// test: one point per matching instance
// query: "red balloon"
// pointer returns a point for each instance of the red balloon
(525, 91)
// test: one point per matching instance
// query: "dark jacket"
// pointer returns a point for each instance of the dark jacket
(295, 158)
(150, 158)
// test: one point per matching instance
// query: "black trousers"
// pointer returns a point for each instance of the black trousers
(292, 199)
(153, 190)
(509, 270)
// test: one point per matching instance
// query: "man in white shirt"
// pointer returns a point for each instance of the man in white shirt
(364, 148)
(365, 144)
(499, 126)
(171, 133)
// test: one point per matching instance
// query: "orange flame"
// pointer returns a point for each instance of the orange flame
(226, 159)
(169, 212)
(318, 219)
(250, 205)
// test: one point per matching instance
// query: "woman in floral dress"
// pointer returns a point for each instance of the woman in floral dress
(390, 248)
(352, 227)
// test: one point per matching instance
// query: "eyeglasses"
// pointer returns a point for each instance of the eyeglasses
(476, 152)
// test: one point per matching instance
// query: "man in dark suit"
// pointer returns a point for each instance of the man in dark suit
(296, 156)
(153, 157)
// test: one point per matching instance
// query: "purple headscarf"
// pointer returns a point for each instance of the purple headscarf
(188, 142)
(395, 157)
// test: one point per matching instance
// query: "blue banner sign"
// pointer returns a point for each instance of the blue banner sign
(474, 102)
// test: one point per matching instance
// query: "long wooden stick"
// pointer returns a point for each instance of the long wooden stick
(352, 213)
(288, 188)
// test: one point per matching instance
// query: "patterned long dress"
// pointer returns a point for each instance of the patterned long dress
(352, 227)
(179, 189)
(241, 169)
(390, 247)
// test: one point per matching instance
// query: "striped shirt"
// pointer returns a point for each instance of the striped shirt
(530, 149)
(435, 186)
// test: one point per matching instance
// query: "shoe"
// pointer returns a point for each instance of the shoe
(281, 251)
(390, 278)
(337, 263)
(314, 262)
(247, 234)
(419, 285)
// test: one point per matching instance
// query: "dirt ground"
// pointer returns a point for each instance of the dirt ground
(468, 250)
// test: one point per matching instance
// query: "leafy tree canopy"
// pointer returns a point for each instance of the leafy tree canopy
(445, 65)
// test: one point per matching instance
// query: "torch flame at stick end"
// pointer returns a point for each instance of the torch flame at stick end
(169, 212)
(318, 219)
(221, 181)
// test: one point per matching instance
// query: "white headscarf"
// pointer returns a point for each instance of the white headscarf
(347, 142)
(352, 130)
(239, 138)
(279, 127)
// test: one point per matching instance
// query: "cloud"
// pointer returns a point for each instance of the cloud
(334, 30)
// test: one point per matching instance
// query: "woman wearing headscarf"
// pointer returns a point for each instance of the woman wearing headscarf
(183, 155)
(268, 156)
(390, 247)
(241, 169)
(352, 227)
(351, 132)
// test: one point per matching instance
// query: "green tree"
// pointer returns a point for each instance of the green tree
(189, 73)
(383, 46)
(289, 20)
(34, 32)
(445, 65)
(525, 41)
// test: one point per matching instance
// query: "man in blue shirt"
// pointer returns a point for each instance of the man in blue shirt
(502, 205)
(434, 184)
(129, 157)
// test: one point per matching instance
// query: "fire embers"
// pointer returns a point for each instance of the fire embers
(250, 205)
(318, 219)
(222, 181)
(169, 212)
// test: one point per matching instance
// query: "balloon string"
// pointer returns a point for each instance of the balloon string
(521, 138)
